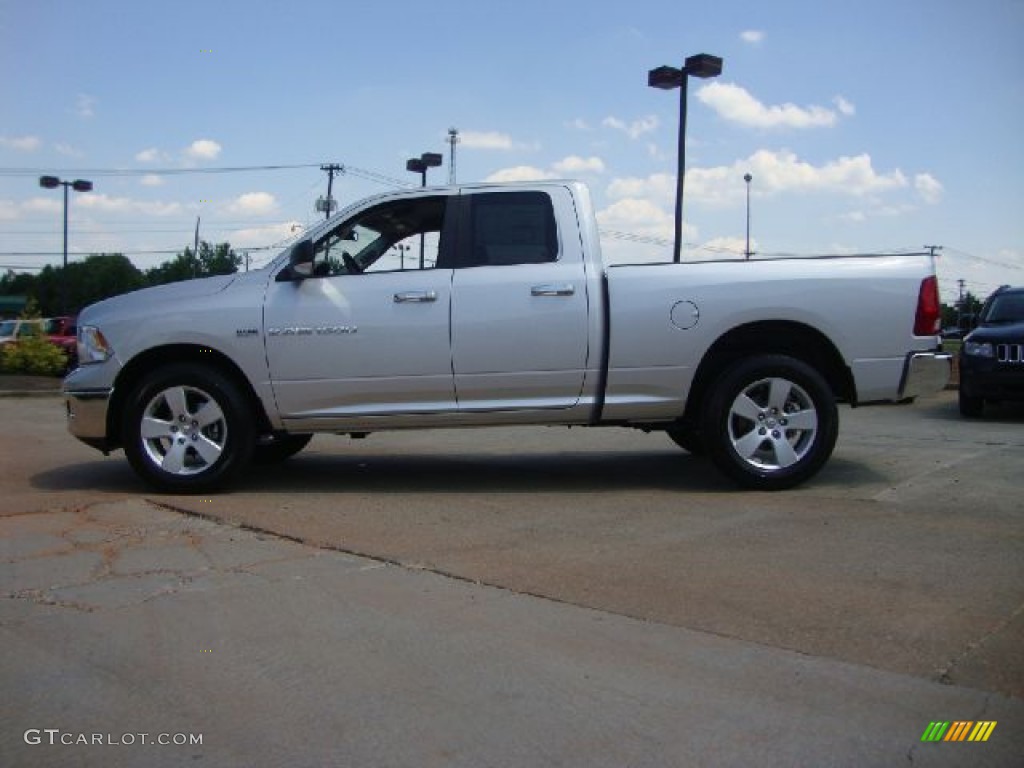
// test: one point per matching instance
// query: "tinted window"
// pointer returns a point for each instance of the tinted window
(509, 228)
(1005, 308)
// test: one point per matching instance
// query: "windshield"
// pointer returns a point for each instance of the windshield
(1005, 308)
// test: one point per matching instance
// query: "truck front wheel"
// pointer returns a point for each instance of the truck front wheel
(771, 422)
(186, 429)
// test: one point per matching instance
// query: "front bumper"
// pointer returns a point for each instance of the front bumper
(925, 373)
(87, 416)
(991, 380)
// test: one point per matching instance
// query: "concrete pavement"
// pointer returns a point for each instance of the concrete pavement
(129, 624)
(515, 598)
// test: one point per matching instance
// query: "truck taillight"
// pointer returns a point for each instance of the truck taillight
(928, 320)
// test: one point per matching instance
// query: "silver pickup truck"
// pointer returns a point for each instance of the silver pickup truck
(490, 305)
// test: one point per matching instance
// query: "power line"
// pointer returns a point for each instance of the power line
(362, 173)
(983, 260)
(151, 171)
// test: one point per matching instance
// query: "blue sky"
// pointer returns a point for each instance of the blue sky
(867, 127)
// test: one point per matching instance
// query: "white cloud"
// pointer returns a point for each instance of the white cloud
(520, 173)
(46, 205)
(67, 150)
(85, 106)
(486, 140)
(639, 216)
(845, 107)
(493, 140)
(21, 143)
(258, 236)
(253, 204)
(928, 187)
(106, 204)
(574, 165)
(659, 186)
(774, 172)
(634, 129)
(735, 104)
(579, 124)
(152, 155)
(752, 36)
(202, 149)
(783, 171)
(151, 180)
(9, 210)
(637, 231)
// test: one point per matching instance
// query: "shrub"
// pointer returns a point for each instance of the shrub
(33, 355)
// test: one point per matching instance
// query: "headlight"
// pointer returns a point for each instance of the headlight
(92, 346)
(979, 348)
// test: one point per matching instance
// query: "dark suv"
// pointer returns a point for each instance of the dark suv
(992, 356)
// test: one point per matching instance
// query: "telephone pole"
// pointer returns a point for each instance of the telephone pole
(960, 305)
(329, 205)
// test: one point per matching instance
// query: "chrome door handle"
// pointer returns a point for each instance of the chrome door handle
(415, 297)
(565, 289)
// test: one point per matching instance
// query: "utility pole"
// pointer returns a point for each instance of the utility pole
(932, 249)
(328, 205)
(453, 139)
(960, 305)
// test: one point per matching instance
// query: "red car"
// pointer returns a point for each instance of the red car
(63, 332)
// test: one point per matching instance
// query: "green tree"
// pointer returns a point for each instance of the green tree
(16, 283)
(212, 260)
(99, 277)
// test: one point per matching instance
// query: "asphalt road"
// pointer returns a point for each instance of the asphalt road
(521, 597)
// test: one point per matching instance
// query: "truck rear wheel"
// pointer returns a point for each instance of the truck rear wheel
(771, 422)
(187, 429)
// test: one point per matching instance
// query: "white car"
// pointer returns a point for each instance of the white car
(12, 330)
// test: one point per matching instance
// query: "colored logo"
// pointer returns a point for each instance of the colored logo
(959, 730)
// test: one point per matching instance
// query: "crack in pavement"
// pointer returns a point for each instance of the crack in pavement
(109, 555)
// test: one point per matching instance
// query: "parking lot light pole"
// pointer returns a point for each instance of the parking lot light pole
(419, 165)
(666, 78)
(79, 185)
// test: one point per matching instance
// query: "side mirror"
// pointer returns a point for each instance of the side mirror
(300, 262)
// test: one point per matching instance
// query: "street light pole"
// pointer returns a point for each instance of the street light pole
(419, 165)
(667, 78)
(79, 185)
(748, 178)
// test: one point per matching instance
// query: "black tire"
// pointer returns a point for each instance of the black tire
(187, 429)
(971, 407)
(688, 439)
(771, 422)
(280, 448)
